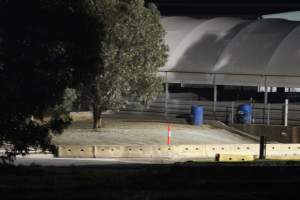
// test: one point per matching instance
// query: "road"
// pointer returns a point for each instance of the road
(50, 160)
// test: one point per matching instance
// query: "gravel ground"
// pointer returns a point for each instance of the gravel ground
(135, 132)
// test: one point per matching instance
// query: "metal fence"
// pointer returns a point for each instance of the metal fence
(179, 105)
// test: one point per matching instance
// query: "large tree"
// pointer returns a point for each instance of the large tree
(43, 50)
(129, 50)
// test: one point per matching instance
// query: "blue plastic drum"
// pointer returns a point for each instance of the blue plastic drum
(197, 115)
(245, 113)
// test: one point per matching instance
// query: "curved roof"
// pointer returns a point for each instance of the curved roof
(232, 51)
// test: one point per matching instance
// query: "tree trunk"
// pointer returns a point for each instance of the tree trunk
(97, 118)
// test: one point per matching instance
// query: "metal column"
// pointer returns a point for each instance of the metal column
(166, 98)
(265, 102)
(268, 115)
(232, 113)
(286, 112)
(166, 94)
(215, 98)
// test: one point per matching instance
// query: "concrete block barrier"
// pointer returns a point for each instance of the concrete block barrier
(234, 158)
(189, 151)
(108, 151)
(176, 151)
(234, 149)
(76, 151)
(284, 158)
(282, 149)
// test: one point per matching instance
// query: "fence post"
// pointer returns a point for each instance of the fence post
(166, 98)
(265, 101)
(215, 99)
(286, 110)
(268, 115)
(232, 112)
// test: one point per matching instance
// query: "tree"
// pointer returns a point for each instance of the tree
(42, 52)
(126, 57)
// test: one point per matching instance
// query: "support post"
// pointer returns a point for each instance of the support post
(232, 113)
(166, 98)
(268, 115)
(262, 147)
(286, 110)
(265, 101)
(215, 99)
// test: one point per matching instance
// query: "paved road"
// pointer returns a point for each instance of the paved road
(49, 160)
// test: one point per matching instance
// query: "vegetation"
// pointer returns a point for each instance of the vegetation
(126, 57)
(42, 52)
(110, 48)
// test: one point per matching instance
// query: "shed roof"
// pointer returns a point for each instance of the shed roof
(232, 51)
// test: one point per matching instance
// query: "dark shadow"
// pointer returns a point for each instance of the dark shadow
(207, 181)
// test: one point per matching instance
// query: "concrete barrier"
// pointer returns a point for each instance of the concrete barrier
(175, 151)
(282, 149)
(76, 151)
(233, 149)
(149, 151)
(284, 158)
(234, 158)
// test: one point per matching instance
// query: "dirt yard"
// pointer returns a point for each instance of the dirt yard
(137, 132)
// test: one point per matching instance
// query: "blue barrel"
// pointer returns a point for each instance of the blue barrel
(245, 113)
(197, 115)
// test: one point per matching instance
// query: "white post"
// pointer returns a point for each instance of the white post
(286, 110)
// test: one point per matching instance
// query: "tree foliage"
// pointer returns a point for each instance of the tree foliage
(129, 48)
(42, 52)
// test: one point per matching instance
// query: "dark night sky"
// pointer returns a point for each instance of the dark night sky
(225, 7)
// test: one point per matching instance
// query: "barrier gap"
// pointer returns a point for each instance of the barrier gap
(81, 149)
(69, 150)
